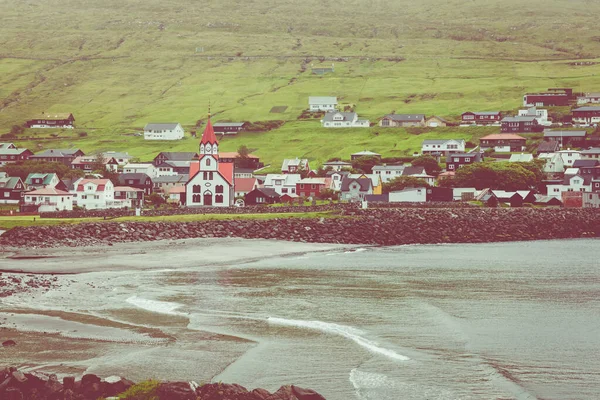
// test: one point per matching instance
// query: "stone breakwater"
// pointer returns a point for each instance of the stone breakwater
(16, 385)
(369, 227)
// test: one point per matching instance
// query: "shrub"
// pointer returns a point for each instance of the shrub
(146, 390)
(82, 134)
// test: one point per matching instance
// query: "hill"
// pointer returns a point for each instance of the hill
(118, 65)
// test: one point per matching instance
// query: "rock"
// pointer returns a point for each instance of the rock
(69, 382)
(12, 394)
(9, 343)
(284, 393)
(261, 394)
(19, 376)
(176, 391)
(306, 394)
(53, 385)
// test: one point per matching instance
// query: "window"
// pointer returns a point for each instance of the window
(385, 122)
(83, 197)
(96, 197)
(196, 189)
(450, 166)
(205, 175)
(207, 160)
(467, 159)
(219, 189)
(196, 198)
(313, 186)
(284, 190)
(219, 199)
(302, 186)
(6, 194)
(293, 190)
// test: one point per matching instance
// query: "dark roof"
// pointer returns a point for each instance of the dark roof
(243, 171)
(178, 156)
(365, 183)
(270, 192)
(585, 163)
(377, 198)
(475, 155)
(348, 116)
(9, 182)
(558, 133)
(161, 126)
(518, 119)
(223, 124)
(548, 147)
(183, 178)
(57, 153)
(405, 117)
(138, 177)
(413, 171)
(483, 112)
(586, 179)
(587, 109)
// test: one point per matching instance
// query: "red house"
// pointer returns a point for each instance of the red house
(554, 97)
(45, 120)
(520, 124)
(586, 115)
(482, 118)
(309, 187)
(13, 155)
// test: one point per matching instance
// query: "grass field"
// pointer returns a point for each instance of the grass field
(118, 65)
(14, 221)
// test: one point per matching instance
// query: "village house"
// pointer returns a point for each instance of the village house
(294, 165)
(177, 195)
(322, 103)
(586, 115)
(520, 124)
(243, 186)
(376, 181)
(388, 172)
(402, 120)
(589, 98)
(365, 153)
(250, 161)
(408, 195)
(481, 117)
(503, 142)
(93, 194)
(163, 184)
(120, 157)
(591, 200)
(336, 178)
(46, 200)
(540, 114)
(165, 156)
(569, 157)
(442, 146)
(521, 157)
(89, 162)
(137, 180)
(262, 196)
(165, 169)
(554, 163)
(457, 160)
(311, 187)
(435, 122)
(45, 120)
(566, 138)
(570, 183)
(163, 131)
(550, 146)
(65, 156)
(282, 183)
(13, 155)
(554, 97)
(229, 128)
(592, 153)
(141, 168)
(11, 189)
(7, 146)
(418, 172)
(355, 189)
(337, 165)
(440, 194)
(212, 181)
(343, 120)
(43, 180)
(128, 197)
(547, 201)
(243, 173)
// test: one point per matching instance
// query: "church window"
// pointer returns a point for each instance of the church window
(210, 176)
(196, 198)
(208, 162)
(219, 189)
(207, 149)
(205, 175)
(219, 199)
(196, 189)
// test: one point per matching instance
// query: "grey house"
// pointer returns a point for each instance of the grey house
(355, 189)
(322, 103)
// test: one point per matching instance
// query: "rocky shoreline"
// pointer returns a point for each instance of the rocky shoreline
(17, 385)
(384, 227)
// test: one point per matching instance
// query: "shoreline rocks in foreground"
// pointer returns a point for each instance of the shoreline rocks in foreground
(17, 385)
(384, 227)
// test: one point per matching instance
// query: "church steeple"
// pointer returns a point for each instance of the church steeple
(209, 143)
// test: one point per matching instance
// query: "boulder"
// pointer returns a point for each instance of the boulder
(218, 391)
(306, 394)
(12, 394)
(176, 391)
(9, 343)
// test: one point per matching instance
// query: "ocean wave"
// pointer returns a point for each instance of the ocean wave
(160, 307)
(341, 330)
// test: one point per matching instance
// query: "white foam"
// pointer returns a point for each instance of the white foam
(160, 307)
(369, 380)
(341, 330)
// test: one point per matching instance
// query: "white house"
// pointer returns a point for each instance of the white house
(166, 131)
(322, 103)
(337, 165)
(294, 165)
(142, 168)
(570, 183)
(211, 181)
(591, 200)
(388, 172)
(120, 157)
(409, 195)
(93, 194)
(540, 115)
(443, 146)
(554, 163)
(282, 183)
(592, 153)
(48, 200)
(419, 172)
(336, 179)
(589, 98)
(343, 120)
(569, 157)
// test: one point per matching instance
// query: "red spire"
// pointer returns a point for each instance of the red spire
(209, 134)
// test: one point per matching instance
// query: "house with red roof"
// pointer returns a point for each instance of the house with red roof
(94, 194)
(503, 142)
(243, 186)
(46, 200)
(212, 181)
(128, 197)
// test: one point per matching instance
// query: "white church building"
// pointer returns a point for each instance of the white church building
(211, 182)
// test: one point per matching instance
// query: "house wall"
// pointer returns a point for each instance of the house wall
(323, 107)
(387, 175)
(569, 157)
(586, 117)
(93, 200)
(412, 195)
(50, 203)
(209, 188)
(591, 200)
(174, 134)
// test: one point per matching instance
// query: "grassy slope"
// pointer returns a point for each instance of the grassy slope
(113, 66)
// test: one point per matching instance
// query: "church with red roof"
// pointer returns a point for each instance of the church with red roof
(211, 182)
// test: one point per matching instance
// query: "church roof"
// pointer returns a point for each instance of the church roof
(209, 134)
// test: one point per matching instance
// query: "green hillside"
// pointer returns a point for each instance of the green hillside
(118, 65)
